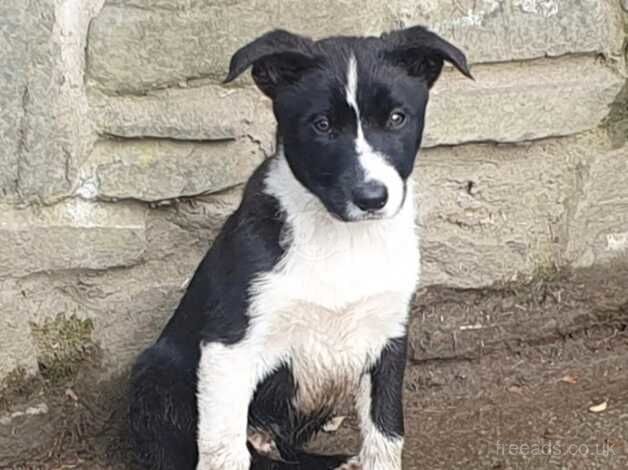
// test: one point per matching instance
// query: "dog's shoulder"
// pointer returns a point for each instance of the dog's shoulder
(250, 238)
(214, 306)
(260, 215)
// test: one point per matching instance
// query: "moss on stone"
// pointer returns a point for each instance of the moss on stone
(546, 271)
(63, 344)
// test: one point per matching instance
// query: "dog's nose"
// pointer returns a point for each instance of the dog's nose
(370, 196)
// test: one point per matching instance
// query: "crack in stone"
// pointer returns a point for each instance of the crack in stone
(260, 145)
(152, 8)
(67, 164)
(21, 143)
(152, 138)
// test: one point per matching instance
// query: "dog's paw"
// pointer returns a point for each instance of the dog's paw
(351, 464)
(262, 442)
(333, 424)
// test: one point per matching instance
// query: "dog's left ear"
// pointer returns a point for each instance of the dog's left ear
(278, 58)
(422, 53)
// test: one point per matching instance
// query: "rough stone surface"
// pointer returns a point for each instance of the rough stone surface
(598, 227)
(517, 102)
(27, 57)
(197, 39)
(18, 350)
(206, 112)
(503, 30)
(496, 213)
(129, 307)
(171, 41)
(43, 109)
(188, 225)
(75, 234)
(152, 170)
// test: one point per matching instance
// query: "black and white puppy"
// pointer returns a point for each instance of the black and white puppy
(301, 304)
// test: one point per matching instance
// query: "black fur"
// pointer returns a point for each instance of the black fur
(272, 408)
(387, 388)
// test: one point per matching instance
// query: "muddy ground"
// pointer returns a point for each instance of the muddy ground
(499, 379)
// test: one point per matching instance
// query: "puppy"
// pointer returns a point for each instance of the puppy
(301, 304)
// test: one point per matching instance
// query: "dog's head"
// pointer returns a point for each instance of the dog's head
(350, 111)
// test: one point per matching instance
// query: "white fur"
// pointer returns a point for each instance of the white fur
(331, 263)
(378, 452)
(331, 304)
(375, 165)
(223, 402)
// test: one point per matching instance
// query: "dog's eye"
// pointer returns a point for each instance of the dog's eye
(396, 120)
(322, 125)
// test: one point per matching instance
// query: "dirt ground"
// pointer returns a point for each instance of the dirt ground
(513, 378)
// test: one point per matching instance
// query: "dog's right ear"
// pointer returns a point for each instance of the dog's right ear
(278, 59)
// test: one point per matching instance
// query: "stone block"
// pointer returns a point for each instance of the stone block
(504, 30)
(44, 129)
(17, 354)
(130, 307)
(492, 214)
(71, 235)
(153, 170)
(207, 112)
(598, 226)
(521, 101)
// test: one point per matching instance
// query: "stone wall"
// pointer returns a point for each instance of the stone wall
(121, 153)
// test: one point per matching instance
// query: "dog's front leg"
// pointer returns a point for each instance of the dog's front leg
(226, 382)
(380, 409)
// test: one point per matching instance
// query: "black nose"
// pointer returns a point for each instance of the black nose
(370, 196)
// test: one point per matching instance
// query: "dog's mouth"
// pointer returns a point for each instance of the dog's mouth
(364, 216)
(355, 214)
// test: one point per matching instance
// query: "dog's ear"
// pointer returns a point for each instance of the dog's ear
(278, 58)
(422, 53)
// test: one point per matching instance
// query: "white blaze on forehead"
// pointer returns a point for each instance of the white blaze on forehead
(375, 165)
(362, 145)
(352, 86)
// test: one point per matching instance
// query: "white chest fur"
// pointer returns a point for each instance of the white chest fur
(340, 292)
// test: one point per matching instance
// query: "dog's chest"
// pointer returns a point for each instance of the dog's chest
(329, 349)
(337, 297)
